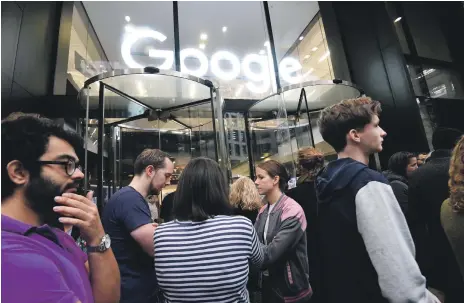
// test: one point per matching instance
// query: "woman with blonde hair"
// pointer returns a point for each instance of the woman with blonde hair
(245, 198)
(452, 210)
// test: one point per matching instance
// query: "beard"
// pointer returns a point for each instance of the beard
(40, 195)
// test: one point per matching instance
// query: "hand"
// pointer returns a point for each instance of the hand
(80, 211)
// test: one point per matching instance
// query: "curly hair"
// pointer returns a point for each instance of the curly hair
(244, 194)
(310, 161)
(456, 181)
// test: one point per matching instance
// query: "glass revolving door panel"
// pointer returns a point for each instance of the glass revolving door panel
(127, 111)
(285, 122)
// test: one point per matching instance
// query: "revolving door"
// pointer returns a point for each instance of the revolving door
(285, 122)
(127, 111)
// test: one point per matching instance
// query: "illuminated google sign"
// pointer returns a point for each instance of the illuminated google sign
(259, 82)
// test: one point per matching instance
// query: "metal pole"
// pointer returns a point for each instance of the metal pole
(86, 138)
(101, 131)
(175, 7)
(249, 149)
(309, 119)
(272, 44)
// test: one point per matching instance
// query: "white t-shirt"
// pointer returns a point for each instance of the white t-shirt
(267, 222)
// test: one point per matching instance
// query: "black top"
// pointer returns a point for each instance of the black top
(125, 211)
(305, 195)
(250, 214)
(428, 188)
(400, 186)
(167, 207)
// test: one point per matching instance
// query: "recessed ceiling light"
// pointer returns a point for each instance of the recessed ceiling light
(266, 43)
(202, 45)
(397, 19)
(324, 56)
(261, 52)
(306, 57)
(301, 38)
(127, 18)
(203, 37)
(314, 49)
(224, 29)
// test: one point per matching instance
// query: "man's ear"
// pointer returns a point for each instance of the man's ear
(353, 135)
(150, 170)
(17, 173)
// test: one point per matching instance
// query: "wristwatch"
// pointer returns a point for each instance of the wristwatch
(105, 243)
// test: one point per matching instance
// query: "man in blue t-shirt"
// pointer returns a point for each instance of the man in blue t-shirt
(127, 220)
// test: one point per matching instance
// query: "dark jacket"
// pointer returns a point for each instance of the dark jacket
(285, 256)
(428, 188)
(367, 253)
(400, 186)
(305, 195)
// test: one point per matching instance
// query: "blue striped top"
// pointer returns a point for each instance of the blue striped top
(206, 261)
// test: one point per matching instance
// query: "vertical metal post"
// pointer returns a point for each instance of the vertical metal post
(191, 144)
(86, 138)
(115, 156)
(309, 118)
(175, 7)
(249, 148)
(101, 131)
(272, 44)
(219, 129)
(120, 159)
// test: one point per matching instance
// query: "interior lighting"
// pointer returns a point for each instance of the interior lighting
(224, 29)
(262, 52)
(301, 38)
(202, 45)
(324, 56)
(397, 19)
(127, 18)
(314, 49)
(203, 36)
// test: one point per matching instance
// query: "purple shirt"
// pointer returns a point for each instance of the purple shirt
(42, 264)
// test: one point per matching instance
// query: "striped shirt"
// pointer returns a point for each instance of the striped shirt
(206, 261)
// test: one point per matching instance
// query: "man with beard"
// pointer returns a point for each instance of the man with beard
(40, 262)
(127, 220)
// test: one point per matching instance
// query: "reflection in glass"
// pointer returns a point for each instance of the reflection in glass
(236, 58)
(282, 124)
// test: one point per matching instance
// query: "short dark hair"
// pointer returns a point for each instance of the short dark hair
(149, 157)
(445, 138)
(337, 120)
(202, 192)
(25, 138)
(275, 168)
(399, 162)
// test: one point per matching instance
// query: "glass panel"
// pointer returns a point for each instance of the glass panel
(279, 129)
(133, 39)
(235, 128)
(301, 45)
(86, 56)
(157, 91)
(423, 20)
(234, 54)
(443, 83)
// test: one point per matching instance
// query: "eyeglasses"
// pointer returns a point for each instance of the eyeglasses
(70, 166)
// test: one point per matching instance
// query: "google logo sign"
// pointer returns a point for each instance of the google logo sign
(258, 81)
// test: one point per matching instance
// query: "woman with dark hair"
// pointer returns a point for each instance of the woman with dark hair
(203, 255)
(281, 226)
(452, 210)
(400, 167)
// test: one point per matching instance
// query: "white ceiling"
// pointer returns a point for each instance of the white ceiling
(245, 22)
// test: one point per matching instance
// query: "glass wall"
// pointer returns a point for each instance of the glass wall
(300, 42)
(226, 43)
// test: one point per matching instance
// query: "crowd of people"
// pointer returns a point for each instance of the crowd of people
(345, 233)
